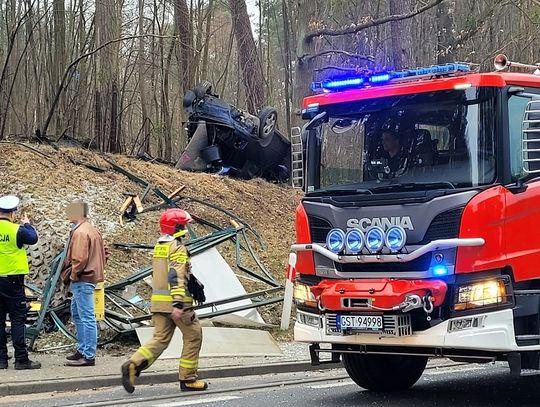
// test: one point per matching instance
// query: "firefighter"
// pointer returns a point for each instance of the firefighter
(171, 306)
(13, 267)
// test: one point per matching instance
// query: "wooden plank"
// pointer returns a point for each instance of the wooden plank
(126, 204)
(163, 180)
(138, 204)
(177, 191)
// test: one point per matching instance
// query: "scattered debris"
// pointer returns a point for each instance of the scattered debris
(124, 314)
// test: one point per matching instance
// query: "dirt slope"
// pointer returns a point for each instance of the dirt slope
(47, 184)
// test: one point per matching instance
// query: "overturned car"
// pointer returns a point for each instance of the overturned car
(227, 140)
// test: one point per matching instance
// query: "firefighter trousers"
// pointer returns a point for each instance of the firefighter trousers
(163, 332)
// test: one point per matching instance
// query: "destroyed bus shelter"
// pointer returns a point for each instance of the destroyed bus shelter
(124, 315)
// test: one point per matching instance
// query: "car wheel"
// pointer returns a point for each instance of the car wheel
(202, 89)
(268, 124)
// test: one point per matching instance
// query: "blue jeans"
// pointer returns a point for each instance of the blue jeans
(82, 312)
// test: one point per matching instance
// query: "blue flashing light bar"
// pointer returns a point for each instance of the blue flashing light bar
(341, 84)
(378, 78)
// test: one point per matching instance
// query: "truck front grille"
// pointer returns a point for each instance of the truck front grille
(393, 325)
(444, 226)
(319, 228)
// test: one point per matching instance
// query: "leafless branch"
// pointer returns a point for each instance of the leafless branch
(309, 57)
(338, 68)
(373, 23)
(73, 64)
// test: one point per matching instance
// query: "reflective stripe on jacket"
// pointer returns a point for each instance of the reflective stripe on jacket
(12, 259)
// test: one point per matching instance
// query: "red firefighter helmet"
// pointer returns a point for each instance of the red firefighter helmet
(173, 220)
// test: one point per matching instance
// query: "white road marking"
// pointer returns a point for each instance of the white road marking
(332, 385)
(198, 401)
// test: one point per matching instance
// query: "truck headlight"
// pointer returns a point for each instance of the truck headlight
(303, 296)
(395, 238)
(374, 239)
(354, 241)
(335, 240)
(481, 294)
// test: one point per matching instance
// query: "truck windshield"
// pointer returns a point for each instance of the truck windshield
(443, 139)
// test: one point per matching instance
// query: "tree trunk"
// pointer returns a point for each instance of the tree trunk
(445, 32)
(400, 35)
(107, 28)
(288, 68)
(145, 126)
(304, 66)
(182, 28)
(59, 23)
(250, 64)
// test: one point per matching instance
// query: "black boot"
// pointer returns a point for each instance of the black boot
(129, 371)
(28, 364)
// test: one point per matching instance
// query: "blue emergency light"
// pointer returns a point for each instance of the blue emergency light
(378, 78)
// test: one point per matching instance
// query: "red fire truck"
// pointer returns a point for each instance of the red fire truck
(419, 232)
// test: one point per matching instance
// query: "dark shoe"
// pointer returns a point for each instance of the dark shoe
(4, 364)
(196, 385)
(29, 364)
(75, 356)
(129, 371)
(81, 362)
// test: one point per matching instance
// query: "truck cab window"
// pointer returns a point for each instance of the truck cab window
(424, 138)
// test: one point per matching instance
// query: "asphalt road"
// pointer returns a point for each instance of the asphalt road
(466, 385)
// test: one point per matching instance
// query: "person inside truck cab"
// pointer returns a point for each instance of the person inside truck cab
(393, 143)
(392, 149)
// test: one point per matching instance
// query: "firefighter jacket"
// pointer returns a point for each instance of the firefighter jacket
(170, 274)
(13, 259)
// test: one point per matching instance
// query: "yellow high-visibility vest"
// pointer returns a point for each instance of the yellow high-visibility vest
(12, 259)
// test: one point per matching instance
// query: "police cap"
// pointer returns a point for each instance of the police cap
(9, 203)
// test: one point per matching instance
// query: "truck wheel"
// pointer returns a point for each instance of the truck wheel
(268, 124)
(384, 372)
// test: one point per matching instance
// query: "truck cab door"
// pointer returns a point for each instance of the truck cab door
(523, 196)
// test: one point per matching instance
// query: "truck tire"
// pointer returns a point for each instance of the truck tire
(384, 373)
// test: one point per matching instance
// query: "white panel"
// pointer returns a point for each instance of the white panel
(218, 342)
(220, 283)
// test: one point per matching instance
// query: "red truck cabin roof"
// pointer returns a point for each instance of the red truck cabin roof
(493, 79)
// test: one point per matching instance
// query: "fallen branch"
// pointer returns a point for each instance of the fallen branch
(31, 149)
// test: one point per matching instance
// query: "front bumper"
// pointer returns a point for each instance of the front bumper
(495, 334)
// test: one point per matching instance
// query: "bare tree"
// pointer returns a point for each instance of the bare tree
(248, 57)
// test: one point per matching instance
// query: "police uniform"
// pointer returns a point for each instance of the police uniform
(170, 288)
(13, 268)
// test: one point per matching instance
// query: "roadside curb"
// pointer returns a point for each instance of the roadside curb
(85, 383)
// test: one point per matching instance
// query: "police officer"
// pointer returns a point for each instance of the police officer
(13, 267)
(171, 306)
